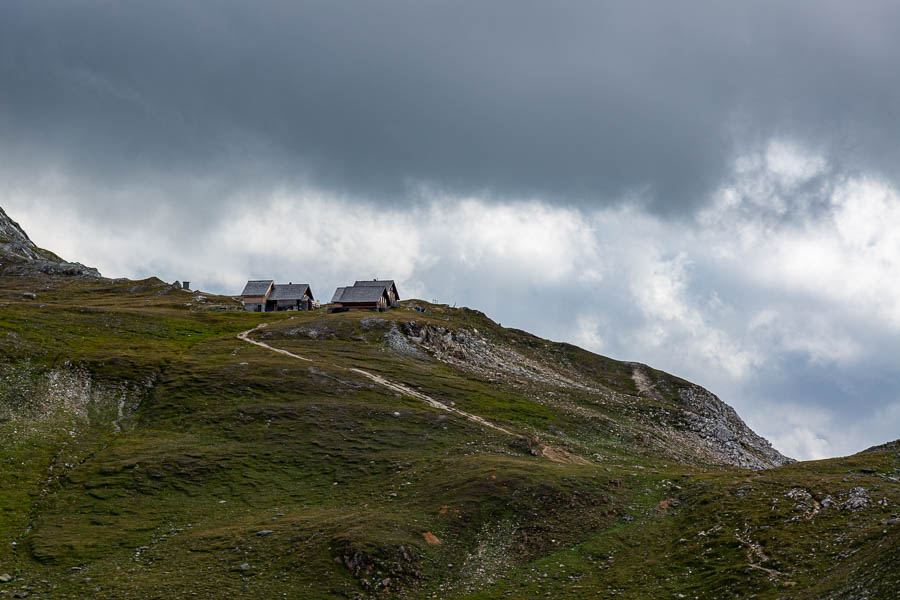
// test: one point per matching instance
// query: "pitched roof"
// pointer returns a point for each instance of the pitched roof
(385, 283)
(256, 287)
(359, 294)
(374, 283)
(290, 291)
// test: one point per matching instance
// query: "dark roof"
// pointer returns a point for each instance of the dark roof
(256, 287)
(385, 283)
(359, 294)
(290, 291)
(374, 283)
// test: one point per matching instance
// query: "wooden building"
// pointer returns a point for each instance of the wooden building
(387, 284)
(292, 296)
(255, 296)
(361, 298)
(264, 295)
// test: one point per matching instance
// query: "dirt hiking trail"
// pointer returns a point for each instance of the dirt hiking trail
(554, 454)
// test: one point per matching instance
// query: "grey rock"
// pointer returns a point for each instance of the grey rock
(703, 426)
(5, 578)
(19, 255)
(857, 499)
(396, 341)
(264, 532)
(245, 566)
(721, 431)
(723, 434)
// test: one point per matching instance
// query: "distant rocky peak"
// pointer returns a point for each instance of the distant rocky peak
(14, 240)
(20, 256)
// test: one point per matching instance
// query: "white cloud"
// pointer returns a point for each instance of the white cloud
(534, 241)
(813, 335)
(588, 333)
(790, 164)
(797, 430)
(843, 251)
(803, 442)
(660, 288)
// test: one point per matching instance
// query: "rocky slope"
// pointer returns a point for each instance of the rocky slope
(20, 256)
(697, 423)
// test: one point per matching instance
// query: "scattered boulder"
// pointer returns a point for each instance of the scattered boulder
(371, 565)
(264, 532)
(29, 296)
(396, 341)
(858, 499)
(527, 445)
(5, 578)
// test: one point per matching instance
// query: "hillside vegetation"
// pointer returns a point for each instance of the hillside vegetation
(148, 452)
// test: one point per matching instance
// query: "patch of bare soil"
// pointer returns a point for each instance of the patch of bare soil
(431, 538)
(562, 456)
(666, 504)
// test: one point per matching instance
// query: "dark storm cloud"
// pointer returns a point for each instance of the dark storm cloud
(577, 101)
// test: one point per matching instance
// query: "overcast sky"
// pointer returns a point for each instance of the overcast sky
(708, 188)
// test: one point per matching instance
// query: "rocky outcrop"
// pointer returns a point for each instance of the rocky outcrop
(713, 426)
(32, 397)
(697, 424)
(469, 350)
(20, 256)
(722, 430)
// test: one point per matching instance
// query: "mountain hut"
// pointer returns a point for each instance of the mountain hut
(255, 296)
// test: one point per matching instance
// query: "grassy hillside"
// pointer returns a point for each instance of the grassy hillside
(148, 452)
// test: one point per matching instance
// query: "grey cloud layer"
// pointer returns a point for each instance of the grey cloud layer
(579, 101)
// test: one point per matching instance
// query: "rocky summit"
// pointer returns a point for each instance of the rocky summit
(157, 444)
(19, 255)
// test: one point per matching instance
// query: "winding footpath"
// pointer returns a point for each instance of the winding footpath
(554, 454)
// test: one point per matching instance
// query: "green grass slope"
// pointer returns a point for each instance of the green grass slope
(147, 452)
